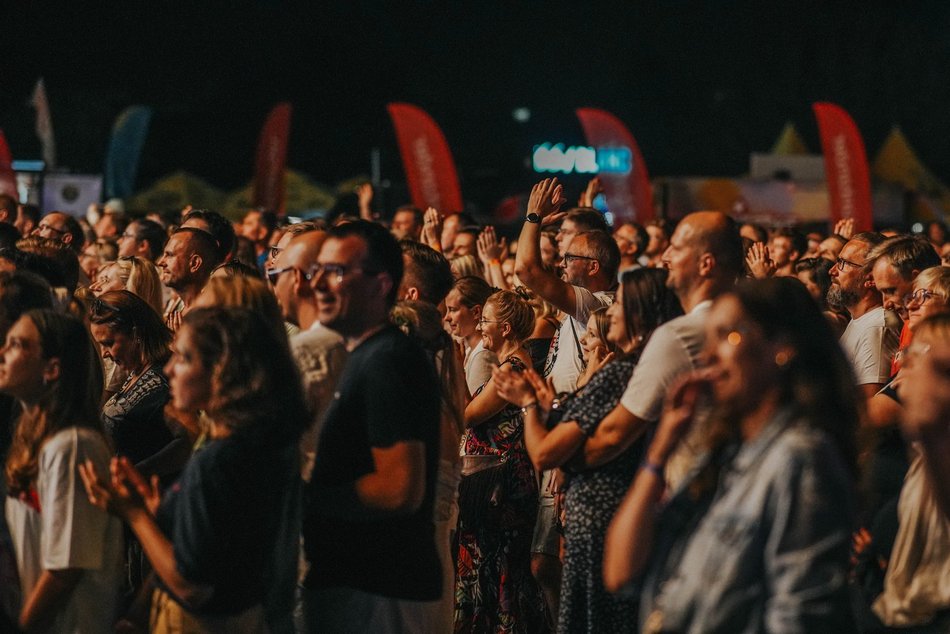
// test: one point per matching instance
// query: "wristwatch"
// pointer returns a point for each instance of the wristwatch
(533, 218)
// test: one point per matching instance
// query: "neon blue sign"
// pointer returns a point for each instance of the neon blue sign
(581, 159)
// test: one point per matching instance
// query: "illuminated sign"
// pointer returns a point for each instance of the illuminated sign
(580, 159)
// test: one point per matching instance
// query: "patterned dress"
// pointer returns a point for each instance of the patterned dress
(495, 591)
(591, 499)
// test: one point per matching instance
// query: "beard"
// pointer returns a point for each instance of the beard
(839, 298)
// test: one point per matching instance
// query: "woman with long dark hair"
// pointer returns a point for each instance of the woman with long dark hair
(69, 553)
(223, 540)
(757, 538)
(643, 303)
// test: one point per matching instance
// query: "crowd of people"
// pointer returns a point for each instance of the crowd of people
(422, 425)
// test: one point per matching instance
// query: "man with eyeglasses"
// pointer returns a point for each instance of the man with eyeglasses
(63, 227)
(871, 337)
(895, 264)
(368, 531)
(318, 351)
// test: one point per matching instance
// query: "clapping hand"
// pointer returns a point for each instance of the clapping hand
(513, 386)
(124, 493)
(490, 247)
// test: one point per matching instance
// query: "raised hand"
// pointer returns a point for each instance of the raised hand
(546, 199)
(489, 247)
(845, 228)
(364, 195)
(432, 229)
(759, 261)
(594, 188)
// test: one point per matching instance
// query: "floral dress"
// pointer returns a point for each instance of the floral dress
(591, 499)
(494, 588)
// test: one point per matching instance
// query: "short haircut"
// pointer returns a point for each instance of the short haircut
(204, 244)
(641, 237)
(427, 270)
(151, 232)
(796, 237)
(73, 228)
(383, 254)
(906, 254)
(725, 243)
(587, 219)
(219, 227)
(603, 247)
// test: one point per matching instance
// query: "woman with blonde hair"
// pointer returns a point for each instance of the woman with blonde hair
(465, 265)
(244, 292)
(498, 496)
(134, 274)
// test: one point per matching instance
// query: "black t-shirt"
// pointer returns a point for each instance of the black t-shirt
(228, 521)
(388, 393)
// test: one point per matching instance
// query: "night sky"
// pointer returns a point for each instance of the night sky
(700, 84)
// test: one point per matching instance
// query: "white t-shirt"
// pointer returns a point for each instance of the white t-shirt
(69, 532)
(870, 342)
(478, 366)
(674, 348)
(565, 362)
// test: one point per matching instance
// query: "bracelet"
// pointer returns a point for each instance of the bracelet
(654, 468)
(534, 405)
(495, 262)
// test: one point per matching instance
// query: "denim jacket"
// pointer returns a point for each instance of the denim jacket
(768, 552)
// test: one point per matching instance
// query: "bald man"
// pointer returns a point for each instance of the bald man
(704, 260)
(318, 351)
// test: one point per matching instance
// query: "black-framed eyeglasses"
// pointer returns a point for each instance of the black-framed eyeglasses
(921, 296)
(335, 271)
(840, 262)
(573, 256)
(61, 232)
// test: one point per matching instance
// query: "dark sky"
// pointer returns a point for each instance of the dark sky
(700, 84)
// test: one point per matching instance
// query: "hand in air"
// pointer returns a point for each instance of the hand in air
(546, 199)
(759, 261)
(490, 247)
